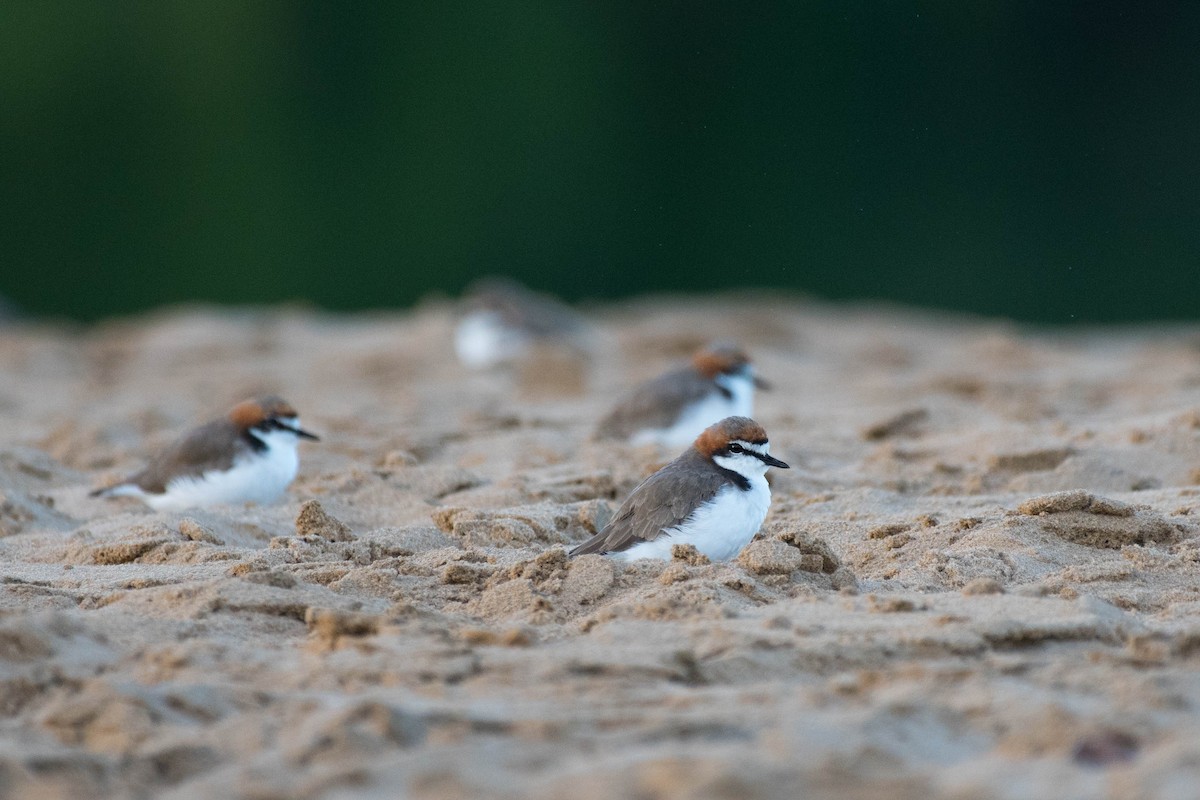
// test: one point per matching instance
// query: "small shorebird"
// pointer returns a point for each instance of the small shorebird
(674, 408)
(714, 496)
(247, 455)
(503, 320)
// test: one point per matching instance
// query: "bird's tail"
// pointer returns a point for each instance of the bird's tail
(592, 545)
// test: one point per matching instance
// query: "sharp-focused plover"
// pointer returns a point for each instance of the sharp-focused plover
(503, 320)
(714, 496)
(674, 408)
(247, 455)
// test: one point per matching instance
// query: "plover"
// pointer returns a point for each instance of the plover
(714, 496)
(247, 455)
(674, 408)
(503, 320)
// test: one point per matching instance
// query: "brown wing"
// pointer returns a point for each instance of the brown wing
(654, 404)
(660, 502)
(211, 446)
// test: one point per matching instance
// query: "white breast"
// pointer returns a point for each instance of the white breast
(694, 418)
(719, 529)
(258, 477)
(482, 340)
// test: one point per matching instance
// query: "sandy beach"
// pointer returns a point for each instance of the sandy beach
(980, 578)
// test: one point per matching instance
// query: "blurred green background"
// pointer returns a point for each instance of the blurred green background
(1039, 160)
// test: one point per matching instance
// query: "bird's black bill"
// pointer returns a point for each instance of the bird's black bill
(759, 383)
(279, 425)
(771, 461)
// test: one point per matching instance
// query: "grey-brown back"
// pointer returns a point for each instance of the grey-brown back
(655, 404)
(214, 445)
(520, 307)
(662, 501)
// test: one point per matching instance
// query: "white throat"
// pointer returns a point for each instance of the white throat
(279, 441)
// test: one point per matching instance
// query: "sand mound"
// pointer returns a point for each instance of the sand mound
(1084, 518)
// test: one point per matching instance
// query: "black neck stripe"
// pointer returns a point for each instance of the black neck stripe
(256, 444)
(738, 479)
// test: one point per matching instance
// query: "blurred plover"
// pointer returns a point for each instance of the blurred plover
(674, 408)
(714, 496)
(503, 320)
(247, 455)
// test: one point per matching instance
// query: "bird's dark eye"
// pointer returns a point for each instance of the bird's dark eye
(736, 448)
